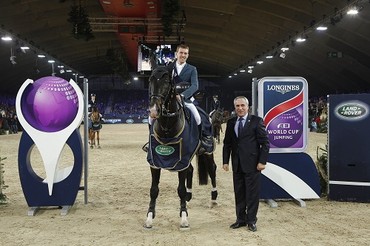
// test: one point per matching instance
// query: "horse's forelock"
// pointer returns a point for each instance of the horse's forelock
(159, 72)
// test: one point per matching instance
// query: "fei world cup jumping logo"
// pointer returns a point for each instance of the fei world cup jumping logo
(50, 110)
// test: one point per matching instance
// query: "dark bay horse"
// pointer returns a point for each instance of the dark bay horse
(217, 119)
(173, 142)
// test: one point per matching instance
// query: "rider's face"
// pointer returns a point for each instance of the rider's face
(182, 55)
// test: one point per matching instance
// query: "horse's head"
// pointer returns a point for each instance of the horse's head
(160, 90)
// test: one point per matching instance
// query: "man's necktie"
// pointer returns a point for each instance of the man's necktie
(240, 126)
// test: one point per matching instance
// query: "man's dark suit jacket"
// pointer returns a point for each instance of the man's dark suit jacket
(250, 148)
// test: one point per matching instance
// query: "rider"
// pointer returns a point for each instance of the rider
(182, 72)
(215, 105)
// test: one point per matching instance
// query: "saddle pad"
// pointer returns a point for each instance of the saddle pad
(173, 154)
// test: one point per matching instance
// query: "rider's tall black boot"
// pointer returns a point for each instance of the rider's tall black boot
(206, 141)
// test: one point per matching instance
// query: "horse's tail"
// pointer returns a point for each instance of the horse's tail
(205, 166)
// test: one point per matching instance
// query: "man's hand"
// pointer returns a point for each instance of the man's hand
(225, 167)
(260, 166)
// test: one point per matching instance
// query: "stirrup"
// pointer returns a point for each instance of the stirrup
(145, 147)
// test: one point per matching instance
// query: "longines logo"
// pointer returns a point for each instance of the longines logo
(283, 88)
(352, 110)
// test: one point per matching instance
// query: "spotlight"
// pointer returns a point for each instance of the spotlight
(250, 71)
(282, 55)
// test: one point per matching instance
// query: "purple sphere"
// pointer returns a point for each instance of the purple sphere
(50, 104)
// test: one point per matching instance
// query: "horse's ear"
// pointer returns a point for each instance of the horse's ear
(153, 61)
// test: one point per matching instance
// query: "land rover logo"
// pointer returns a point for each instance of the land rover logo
(129, 121)
(354, 110)
(164, 150)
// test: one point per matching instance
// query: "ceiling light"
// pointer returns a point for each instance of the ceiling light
(230, 76)
(41, 56)
(69, 71)
(352, 11)
(242, 70)
(25, 48)
(283, 49)
(6, 38)
(235, 74)
(300, 40)
(51, 61)
(259, 62)
(269, 57)
(251, 67)
(250, 71)
(321, 28)
(282, 55)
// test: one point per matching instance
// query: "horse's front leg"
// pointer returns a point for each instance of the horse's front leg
(189, 182)
(154, 191)
(181, 191)
(212, 174)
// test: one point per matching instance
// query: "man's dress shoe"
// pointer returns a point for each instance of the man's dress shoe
(236, 225)
(252, 227)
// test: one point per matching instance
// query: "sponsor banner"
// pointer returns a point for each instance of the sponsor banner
(283, 104)
(125, 120)
(348, 147)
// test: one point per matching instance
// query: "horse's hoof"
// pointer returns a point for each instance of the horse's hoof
(147, 227)
(149, 221)
(213, 204)
(91, 146)
(184, 224)
(99, 147)
(184, 227)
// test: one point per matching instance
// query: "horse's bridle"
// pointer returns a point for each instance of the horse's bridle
(166, 99)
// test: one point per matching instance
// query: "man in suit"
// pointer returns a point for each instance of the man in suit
(247, 143)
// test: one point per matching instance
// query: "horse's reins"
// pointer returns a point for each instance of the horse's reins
(166, 99)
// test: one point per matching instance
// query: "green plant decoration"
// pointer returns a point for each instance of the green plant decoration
(117, 59)
(80, 21)
(171, 9)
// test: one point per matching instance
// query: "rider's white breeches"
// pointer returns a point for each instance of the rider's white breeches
(193, 110)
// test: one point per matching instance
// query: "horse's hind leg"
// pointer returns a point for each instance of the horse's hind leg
(212, 174)
(181, 191)
(92, 137)
(154, 191)
(98, 138)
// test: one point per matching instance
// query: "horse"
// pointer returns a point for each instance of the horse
(173, 142)
(217, 118)
(96, 125)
